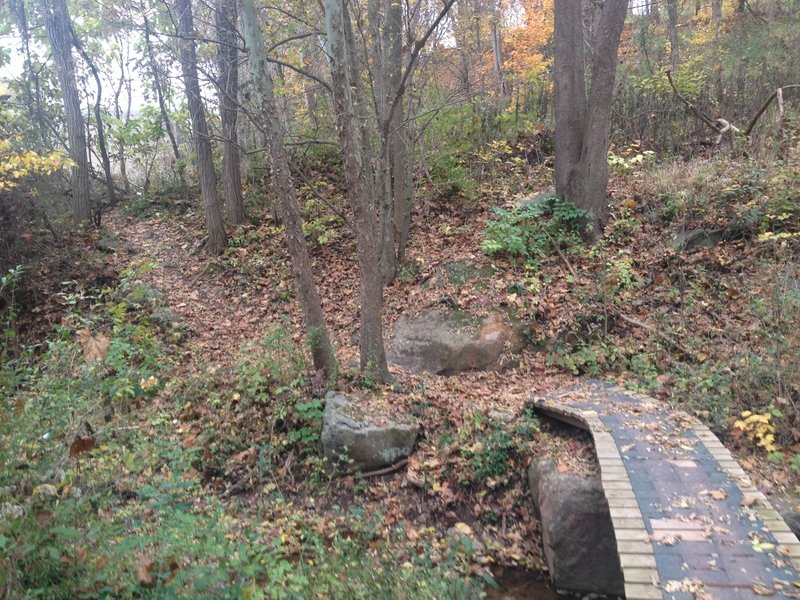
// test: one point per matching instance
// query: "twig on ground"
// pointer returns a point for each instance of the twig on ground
(386, 470)
(561, 254)
(646, 326)
(197, 277)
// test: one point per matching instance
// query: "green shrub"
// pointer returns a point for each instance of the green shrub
(532, 230)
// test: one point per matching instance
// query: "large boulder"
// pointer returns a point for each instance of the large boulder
(355, 439)
(446, 342)
(577, 533)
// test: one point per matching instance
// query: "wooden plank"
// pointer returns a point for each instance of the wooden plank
(615, 502)
(634, 547)
(618, 486)
(642, 591)
(634, 534)
(629, 523)
(640, 575)
(637, 560)
(625, 512)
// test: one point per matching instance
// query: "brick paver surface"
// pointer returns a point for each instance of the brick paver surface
(689, 522)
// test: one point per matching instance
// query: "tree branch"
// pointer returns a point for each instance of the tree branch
(401, 88)
(765, 106)
(705, 119)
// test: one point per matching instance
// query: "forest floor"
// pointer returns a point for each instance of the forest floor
(210, 423)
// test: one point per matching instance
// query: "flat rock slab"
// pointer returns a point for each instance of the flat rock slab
(687, 518)
(447, 342)
(354, 439)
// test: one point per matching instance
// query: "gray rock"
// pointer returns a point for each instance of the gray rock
(699, 238)
(787, 506)
(356, 440)
(115, 245)
(446, 342)
(792, 518)
(540, 198)
(9, 511)
(577, 534)
(459, 272)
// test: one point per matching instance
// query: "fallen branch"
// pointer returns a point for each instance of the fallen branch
(647, 327)
(705, 119)
(778, 92)
(561, 254)
(386, 470)
(202, 272)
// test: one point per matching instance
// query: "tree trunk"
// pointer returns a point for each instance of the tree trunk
(124, 82)
(227, 55)
(101, 130)
(162, 104)
(585, 124)
(317, 331)
(587, 186)
(716, 11)
(373, 355)
(497, 58)
(672, 27)
(217, 238)
(57, 24)
(569, 88)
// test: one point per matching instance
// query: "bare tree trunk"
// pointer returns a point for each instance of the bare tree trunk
(317, 331)
(716, 11)
(162, 104)
(124, 82)
(98, 117)
(373, 355)
(217, 238)
(227, 57)
(569, 88)
(497, 58)
(400, 148)
(585, 182)
(652, 11)
(672, 27)
(57, 24)
(33, 95)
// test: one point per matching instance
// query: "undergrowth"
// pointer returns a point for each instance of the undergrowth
(101, 495)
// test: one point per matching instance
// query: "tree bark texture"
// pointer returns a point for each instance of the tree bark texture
(373, 355)
(217, 238)
(672, 32)
(227, 59)
(582, 124)
(98, 117)
(162, 103)
(569, 88)
(57, 24)
(316, 329)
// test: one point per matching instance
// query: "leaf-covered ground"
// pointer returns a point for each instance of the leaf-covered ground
(201, 414)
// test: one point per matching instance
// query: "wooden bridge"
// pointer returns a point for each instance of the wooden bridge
(688, 521)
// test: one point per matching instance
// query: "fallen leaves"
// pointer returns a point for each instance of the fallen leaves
(81, 445)
(715, 494)
(95, 347)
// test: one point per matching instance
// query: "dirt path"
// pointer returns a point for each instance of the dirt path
(232, 300)
(220, 315)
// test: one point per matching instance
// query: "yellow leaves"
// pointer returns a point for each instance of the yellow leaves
(148, 384)
(758, 428)
(526, 43)
(16, 165)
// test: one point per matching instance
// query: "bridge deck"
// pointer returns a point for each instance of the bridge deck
(687, 518)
